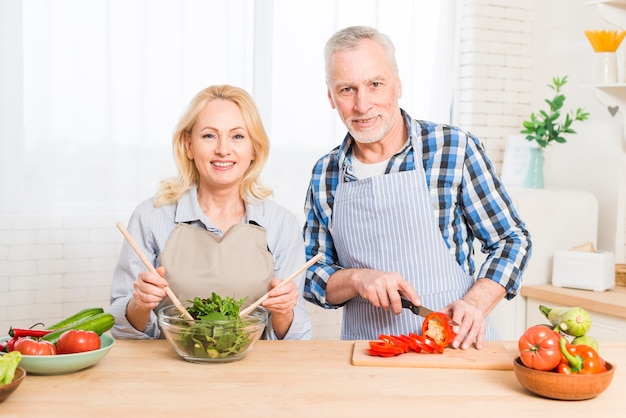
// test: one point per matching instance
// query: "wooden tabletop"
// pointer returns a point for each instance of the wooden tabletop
(292, 379)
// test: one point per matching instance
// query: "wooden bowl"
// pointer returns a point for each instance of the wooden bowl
(9, 388)
(574, 387)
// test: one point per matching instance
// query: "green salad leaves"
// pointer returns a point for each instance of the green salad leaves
(220, 332)
(8, 365)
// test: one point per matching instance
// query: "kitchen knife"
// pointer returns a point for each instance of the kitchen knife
(420, 310)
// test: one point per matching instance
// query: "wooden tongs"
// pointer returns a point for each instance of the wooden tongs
(150, 267)
(260, 300)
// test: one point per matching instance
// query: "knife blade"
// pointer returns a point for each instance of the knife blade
(419, 310)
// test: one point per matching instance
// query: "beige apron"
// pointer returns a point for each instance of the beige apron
(198, 262)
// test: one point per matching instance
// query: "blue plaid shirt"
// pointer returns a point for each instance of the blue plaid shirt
(468, 199)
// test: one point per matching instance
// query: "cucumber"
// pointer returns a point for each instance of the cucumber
(100, 323)
(78, 316)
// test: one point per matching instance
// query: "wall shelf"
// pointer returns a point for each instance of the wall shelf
(613, 96)
(614, 11)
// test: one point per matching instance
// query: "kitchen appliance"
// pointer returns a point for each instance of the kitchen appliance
(584, 270)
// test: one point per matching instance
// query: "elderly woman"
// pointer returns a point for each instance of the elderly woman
(212, 229)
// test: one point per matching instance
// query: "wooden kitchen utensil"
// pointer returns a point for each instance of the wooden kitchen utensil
(150, 267)
(260, 300)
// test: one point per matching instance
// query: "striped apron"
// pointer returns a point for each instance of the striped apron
(386, 223)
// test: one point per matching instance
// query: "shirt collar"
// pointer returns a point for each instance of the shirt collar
(188, 210)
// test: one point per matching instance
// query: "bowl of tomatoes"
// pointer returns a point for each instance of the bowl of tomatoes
(42, 360)
(551, 366)
(567, 387)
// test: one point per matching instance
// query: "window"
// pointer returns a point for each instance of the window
(95, 88)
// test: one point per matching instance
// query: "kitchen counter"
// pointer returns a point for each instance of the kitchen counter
(612, 302)
(292, 379)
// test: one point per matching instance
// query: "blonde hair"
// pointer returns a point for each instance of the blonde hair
(252, 188)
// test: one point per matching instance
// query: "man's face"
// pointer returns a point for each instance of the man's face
(364, 88)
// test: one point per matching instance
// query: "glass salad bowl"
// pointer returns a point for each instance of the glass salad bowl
(212, 341)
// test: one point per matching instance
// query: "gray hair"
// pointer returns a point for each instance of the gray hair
(349, 38)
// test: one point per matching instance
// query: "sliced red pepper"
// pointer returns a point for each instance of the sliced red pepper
(380, 354)
(421, 342)
(438, 349)
(385, 347)
(399, 342)
(413, 346)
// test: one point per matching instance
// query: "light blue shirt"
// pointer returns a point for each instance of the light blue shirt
(152, 226)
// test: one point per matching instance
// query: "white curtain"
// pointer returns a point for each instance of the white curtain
(91, 90)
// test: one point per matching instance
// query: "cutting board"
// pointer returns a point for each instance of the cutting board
(493, 356)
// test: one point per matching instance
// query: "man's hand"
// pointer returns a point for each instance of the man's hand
(382, 289)
(472, 324)
(471, 312)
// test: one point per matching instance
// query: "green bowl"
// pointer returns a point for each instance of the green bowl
(65, 363)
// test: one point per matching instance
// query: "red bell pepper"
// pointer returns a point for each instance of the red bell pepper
(579, 359)
(437, 327)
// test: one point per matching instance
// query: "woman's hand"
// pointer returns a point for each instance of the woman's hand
(148, 292)
(280, 302)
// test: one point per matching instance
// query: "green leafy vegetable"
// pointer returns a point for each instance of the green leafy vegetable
(215, 308)
(8, 365)
(219, 331)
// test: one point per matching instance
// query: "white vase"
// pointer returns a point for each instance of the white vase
(604, 68)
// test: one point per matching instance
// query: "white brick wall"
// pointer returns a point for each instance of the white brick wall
(495, 71)
(53, 265)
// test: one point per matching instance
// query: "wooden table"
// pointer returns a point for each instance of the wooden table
(292, 379)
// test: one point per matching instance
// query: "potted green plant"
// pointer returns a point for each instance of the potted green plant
(547, 127)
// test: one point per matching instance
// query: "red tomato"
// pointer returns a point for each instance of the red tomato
(437, 327)
(539, 348)
(29, 347)
(78, 341)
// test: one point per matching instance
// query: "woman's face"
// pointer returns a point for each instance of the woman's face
(220, 145)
